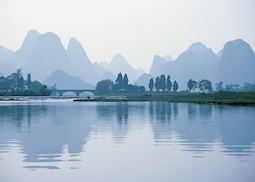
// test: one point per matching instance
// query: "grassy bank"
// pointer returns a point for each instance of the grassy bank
(227, 98)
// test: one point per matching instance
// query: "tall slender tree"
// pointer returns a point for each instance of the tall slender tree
(175, 86)
(119, 82)
(157, 84)
(20, 84)
(29, 81)
(168, 83)
(151, 84)
(125, 82)
(163, 82)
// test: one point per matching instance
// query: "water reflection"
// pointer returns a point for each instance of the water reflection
(203, 125)
(114, 118)
(237, 130)
(205, 111)
(161, 114)
(46, 132)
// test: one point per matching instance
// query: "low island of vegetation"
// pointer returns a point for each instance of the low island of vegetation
(160, 89)
(15, 85)
(163, 89)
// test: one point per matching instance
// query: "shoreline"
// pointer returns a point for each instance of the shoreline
(233, 103)
(219, 98)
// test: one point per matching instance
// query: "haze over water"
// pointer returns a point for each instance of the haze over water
(146, 141)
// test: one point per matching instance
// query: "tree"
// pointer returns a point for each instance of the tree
(248, 87)
(44, 90)
(157, 84)
(219, 86)
(168, 84)
(141, 89)
(163, 82)
(3, 84)
(104, 87)
(135, 88)
(29, 81)
(192, 84)
(15, 80)
(175, 86)
(151, 84)
(20, 84)
(36, 86)
(232, 87)
(14, 84)
(18, 73)
(119, 82)
(125, 82)
(205, 85)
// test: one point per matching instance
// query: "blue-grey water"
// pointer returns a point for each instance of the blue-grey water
(127, 142)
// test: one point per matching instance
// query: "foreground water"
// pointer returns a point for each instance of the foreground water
(147, 141)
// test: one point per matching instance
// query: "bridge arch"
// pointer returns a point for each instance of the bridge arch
(86, 93)
(76, 92)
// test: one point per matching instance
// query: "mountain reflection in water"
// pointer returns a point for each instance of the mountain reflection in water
(47, 132)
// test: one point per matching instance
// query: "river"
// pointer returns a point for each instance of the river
(63, 141)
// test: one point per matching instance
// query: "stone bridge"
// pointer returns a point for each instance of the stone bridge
(76, 92)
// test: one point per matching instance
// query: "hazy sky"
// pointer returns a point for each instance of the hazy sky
(138, 29)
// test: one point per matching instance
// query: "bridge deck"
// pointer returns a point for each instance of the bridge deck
(76, 91)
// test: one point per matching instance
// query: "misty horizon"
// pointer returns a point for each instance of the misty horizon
(168, 57)
(136, 29)
(48, 60)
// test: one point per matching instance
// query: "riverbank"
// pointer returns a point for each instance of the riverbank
(221, 98)
(33, 99)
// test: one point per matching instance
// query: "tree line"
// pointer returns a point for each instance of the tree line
(15, 84)
(121, 85)
(163, 84)
(220, 86)
(203, 85)
(206, 86)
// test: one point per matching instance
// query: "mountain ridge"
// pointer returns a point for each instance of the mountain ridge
(43, 53)
(200, 62)
(63, 80)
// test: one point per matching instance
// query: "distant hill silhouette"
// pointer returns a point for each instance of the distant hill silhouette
(158, 64)
(108, 76)
(197, 62)
(143, 80)
(48, 54)
(168, 58)
(237, 64)
(42, 54)
(81, 64)
(120, 64)
(66, 81)
(5, 56)
(21, 56)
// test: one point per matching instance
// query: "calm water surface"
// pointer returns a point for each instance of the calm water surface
(133, 142)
